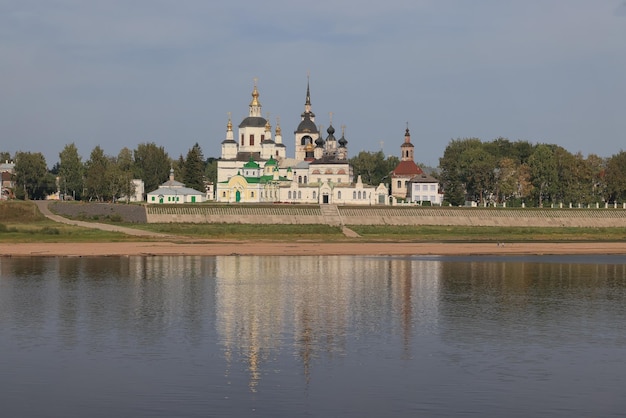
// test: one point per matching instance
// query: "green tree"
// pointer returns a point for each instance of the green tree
(97, 178)
(124, 174)
(478, 168)
(5, 156)
(210, 172)
(453, 176)
(31, 176)
(152, 165)
(71, 172)
(193, 170)
(597, 166)
(544, 173)
(506, 179)
(373, 167)
(616, 177)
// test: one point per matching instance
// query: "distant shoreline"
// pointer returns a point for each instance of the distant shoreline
(265, 248)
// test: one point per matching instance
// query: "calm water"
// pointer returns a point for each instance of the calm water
(313, 336)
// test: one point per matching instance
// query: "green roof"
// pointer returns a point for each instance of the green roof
(251, 164)
(271, 161)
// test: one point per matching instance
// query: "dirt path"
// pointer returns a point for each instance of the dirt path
(43, 208)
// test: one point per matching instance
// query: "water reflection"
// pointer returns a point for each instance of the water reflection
(310, 304)
(410, 330)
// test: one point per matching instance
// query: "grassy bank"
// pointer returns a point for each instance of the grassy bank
(22, 222)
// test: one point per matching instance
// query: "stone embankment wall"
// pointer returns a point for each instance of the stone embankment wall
(365, 215)
(100, 211)
(240, 214)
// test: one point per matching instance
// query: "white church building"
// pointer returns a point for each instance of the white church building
(254, 167)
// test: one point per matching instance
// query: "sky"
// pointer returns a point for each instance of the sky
(118, 73)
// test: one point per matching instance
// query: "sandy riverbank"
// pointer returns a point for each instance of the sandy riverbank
(301, 248)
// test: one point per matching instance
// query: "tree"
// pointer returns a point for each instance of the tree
(210, 172)
(71, 172)
(616, 177)
(478, 168)
(544, 173)
(96, 178)
(453, 175)
(193, 170)
(124, 173)
(152, 165)
(5, 156)
(373, 167)
(31, 176)
(506, 179)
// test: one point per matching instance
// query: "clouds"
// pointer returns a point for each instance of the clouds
(118, 73)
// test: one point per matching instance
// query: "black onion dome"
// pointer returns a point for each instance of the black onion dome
(307, 125)
(343, 141)
(319, 142)
(330, 132)
(253, 122)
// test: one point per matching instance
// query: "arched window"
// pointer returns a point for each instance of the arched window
(289, 195)
(339, 194)
(251, 139)
(399, 183)
(354, 195)
(299, 179)
(314, 195)
(305, 182)
(299, 195)
(359, 194)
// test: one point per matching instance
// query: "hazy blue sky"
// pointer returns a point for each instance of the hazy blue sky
(118, 73)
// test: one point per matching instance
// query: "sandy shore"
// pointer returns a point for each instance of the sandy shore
(301, 248)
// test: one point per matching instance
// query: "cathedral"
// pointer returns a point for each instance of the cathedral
(254, 167)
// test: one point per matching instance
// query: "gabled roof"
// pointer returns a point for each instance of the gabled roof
(423, 178)
(407, 168)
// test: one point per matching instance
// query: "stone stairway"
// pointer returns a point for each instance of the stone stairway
(331, 215)
(333, 218)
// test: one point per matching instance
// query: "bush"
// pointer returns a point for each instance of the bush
(47, 230)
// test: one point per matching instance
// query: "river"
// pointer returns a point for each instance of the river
(313, 336)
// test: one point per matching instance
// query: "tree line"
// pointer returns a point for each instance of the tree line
(502, 171)
(495, 172)
(104, 177)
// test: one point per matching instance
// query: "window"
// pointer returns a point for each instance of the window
(305, 180)
(339, 194)
(262, 138)
(299, 195)
(153, 198)
(251, 139)
(399, 184)
(289, 195)
(242, 140)
(354, 195)
(251, 194)
(299, 179)
(223, 194)
(314, 195)
(432, 187)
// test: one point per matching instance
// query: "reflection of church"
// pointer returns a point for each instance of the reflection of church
(254, 166)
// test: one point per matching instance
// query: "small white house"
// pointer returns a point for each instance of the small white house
(173, 192)
(424, 188)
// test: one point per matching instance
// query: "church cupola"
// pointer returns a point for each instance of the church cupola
(229, 145)
(307, 131)
(407, 149)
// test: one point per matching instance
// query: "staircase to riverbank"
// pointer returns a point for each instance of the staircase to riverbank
(331, 215)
